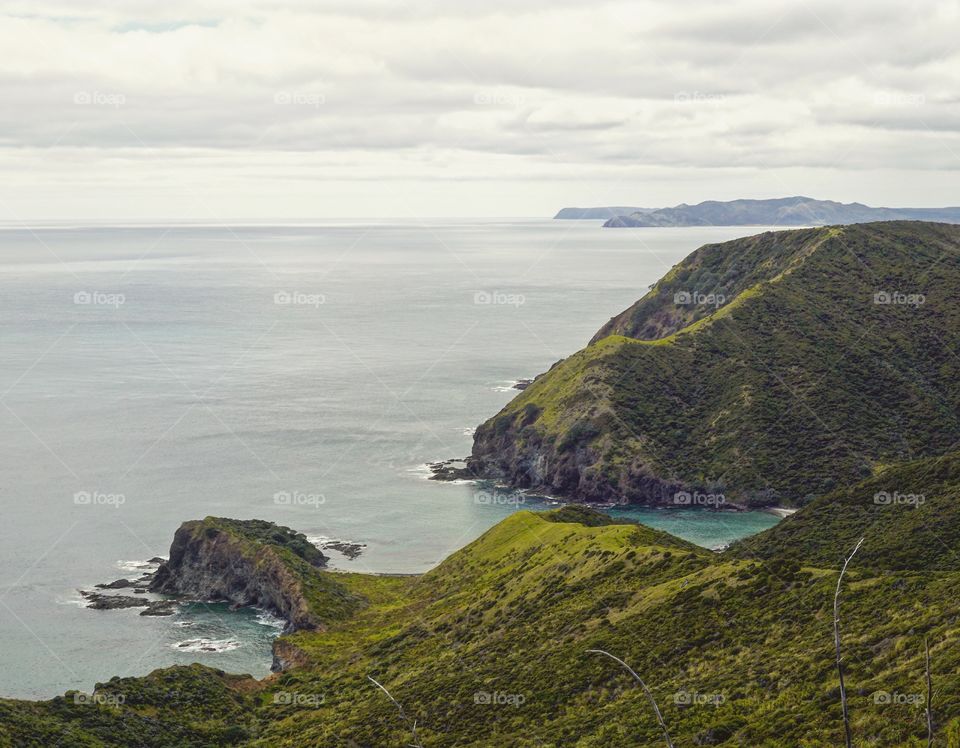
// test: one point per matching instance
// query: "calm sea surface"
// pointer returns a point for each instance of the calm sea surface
(301, 374)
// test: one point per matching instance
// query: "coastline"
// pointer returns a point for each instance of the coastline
(455, 470)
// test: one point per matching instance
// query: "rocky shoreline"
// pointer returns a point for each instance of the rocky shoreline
(456, 468)
(99, 601)
(104, 600)
(349, 549)
(665, 494)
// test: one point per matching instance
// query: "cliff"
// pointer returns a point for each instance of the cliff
(257, 563)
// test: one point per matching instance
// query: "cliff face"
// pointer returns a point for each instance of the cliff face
(247, 563)
(523, 458)
(768, 370)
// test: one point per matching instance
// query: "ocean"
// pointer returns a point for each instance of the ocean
(302, 373)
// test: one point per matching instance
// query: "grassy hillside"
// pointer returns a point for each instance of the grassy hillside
(786, 381)
(910, 515)
(490, 648)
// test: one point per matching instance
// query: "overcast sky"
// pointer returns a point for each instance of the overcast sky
(215, 109)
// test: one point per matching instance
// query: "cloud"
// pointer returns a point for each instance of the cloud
(376, 89)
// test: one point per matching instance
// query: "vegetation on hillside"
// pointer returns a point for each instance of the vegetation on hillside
(490, 648)
(797, 379)
(910, 514)
(261, 532)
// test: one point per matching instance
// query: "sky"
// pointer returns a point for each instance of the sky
(222, 109)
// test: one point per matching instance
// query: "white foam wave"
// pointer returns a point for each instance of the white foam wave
(207, 645)
(266, 618)
(75, 599)
(423, 471)
(131, 566)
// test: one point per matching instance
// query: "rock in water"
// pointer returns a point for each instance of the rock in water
(96, 601)
(160, 608)
(119, 584)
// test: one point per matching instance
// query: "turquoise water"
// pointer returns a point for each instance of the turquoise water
(701, 526)
(149, 376)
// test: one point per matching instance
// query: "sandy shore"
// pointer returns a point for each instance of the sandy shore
(780, 511)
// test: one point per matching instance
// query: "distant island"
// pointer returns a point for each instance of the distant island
(784, 211)
(596, 213)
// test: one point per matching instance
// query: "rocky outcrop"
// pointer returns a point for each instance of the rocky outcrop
(251, 562)
(119, 584)
(100, 601)
(518, 457)
(287, 656)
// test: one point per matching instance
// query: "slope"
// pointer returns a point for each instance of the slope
(813, 358)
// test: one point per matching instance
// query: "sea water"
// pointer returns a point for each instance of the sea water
(303, 374)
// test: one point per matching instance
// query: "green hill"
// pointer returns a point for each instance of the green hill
(489, 649)
(771, 369)
(909, 513)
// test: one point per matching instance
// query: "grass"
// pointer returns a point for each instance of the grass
(736, 648)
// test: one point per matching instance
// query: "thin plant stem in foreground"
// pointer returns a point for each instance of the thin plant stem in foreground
(653, 701)
(836, 642)
(403, 715)
(926, 656)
